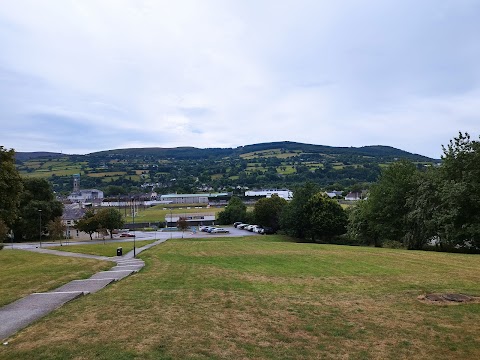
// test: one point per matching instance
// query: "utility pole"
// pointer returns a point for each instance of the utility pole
(40, 231)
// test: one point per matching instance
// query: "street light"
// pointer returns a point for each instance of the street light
(40, 232)
(133, 217)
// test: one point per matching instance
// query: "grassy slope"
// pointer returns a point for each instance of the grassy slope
(107, 249)
(24, 272)
(263, 298)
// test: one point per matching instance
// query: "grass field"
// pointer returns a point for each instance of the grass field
(107, 249)
(267, 298)
(24, 272)
(158, 212)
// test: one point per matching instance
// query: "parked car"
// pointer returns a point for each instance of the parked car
(204, 228)
(268, 230)
(235, 224)
(242, 226)
(126, 235)
(219, 230)
(250, 227)
(258, 229)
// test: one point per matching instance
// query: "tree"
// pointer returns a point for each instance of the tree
(236, 210)
(293, 219)
(3, 233)
(56, 228)
(10, 187)
(36, 200)
(110, 219)
(385, 213)
(267, 211)
(326, 218)
(458, 217)
(360, 224)
(88, 223)
(182, 224)
(424, 204)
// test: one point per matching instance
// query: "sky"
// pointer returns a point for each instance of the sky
(78, 76)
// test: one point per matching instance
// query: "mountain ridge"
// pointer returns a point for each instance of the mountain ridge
(181, 151)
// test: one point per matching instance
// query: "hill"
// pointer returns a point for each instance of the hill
(192, 152)
(23, 156)
(189, 169)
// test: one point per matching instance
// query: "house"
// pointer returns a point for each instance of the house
(333, 194)
(353, 196)
(71, 214)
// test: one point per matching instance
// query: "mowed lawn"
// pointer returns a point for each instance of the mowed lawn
(266, 298)
(24, 272)
(107, 249)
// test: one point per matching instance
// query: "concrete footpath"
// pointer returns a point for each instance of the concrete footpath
(21, 313)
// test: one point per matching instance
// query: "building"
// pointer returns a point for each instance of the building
(82, 196)
(191, 198)
(192, 219)
(334, 193)
(71, 214)
(353, 196)
(283, 193)
(87, 195)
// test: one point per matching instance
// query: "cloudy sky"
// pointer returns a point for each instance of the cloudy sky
(77, 76)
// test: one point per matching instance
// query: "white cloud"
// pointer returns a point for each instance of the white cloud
(215, 73)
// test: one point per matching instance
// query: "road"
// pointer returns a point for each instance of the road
(139, 235)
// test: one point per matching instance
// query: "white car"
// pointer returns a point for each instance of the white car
(219, 230)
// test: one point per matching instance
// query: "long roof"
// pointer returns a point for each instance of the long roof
(194, 195)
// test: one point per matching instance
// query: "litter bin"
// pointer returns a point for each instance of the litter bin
(119, 251)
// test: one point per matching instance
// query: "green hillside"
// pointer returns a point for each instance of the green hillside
(189, 169)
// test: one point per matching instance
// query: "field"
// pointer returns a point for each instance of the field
(26, 272)
(268, 298)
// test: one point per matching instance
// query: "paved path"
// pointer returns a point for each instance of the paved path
(23, 312)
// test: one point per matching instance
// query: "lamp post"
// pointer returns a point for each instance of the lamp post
(40, 229)
(134, 235)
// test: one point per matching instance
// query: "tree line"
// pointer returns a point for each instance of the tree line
(28, 208)
(437, 206)
(408, 207)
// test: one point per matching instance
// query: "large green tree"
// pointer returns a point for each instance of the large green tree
(267, 211)
(236, 210)
(293, 220)
(384, 215)
(110, 219)
(88, 223)
(10, 187)
(326, 218)
(458, 216)
(37, 206)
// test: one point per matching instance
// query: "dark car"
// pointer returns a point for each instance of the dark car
(268, 230)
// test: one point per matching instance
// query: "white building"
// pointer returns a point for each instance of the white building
(283, 193)
(86, 195)
(353, 196)
(192, 219)
(190, 198)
